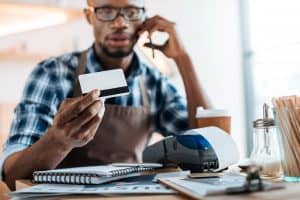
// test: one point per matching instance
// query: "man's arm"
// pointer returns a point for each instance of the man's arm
(74, 125)
(44, 154)
(174, 48)
(194, 91)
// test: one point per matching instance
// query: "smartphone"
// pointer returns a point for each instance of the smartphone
(150, 41)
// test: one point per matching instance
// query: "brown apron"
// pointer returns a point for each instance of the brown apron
(121, 136)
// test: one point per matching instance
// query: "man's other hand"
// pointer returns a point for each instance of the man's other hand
(173, 47)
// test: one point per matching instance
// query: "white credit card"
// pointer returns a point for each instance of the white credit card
(111, 83)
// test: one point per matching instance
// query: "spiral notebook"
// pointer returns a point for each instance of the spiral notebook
(92, 174)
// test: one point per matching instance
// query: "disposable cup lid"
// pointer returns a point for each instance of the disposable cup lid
(211, 113)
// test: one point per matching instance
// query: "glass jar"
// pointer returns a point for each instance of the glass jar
(265, 146)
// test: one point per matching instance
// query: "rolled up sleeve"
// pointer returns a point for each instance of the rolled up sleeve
(34, 114)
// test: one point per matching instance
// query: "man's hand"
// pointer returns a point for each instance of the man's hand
(74, 125)
(77, 120)
(173, 47)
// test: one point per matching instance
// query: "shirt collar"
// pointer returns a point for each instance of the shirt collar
(94, 63)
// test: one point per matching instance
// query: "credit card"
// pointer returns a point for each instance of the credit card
(111, 83)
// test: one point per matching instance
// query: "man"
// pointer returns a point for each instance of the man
(55, 126)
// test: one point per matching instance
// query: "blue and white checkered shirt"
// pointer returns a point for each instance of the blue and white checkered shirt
(52, 81)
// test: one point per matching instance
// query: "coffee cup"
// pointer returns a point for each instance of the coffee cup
(213, 117)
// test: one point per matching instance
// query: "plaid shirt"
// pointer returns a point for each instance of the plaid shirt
(52, 81)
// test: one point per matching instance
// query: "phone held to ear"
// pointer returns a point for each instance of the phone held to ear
(151, 46)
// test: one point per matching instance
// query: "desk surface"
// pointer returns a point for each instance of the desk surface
(291, 192)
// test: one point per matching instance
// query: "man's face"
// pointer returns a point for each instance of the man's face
(116, 38)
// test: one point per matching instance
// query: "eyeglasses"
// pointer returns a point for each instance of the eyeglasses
(110, 13)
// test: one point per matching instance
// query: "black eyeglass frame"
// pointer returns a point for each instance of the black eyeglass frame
(119, 13)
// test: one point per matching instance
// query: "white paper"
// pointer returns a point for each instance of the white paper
(64, 189)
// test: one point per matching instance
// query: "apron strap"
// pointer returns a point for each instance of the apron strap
(145, 97)
(79, 70)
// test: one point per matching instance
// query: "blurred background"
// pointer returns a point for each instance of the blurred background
(245, 51)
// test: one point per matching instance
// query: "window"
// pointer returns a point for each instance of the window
(274, 43)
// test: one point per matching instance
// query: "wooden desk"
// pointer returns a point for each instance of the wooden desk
(291, 192)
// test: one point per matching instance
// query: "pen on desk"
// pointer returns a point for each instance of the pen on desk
(152, 47)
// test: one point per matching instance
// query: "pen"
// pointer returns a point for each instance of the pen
(152, 47)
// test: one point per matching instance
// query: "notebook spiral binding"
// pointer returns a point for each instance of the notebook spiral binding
(80, 178)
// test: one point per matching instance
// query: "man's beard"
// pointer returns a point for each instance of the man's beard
(120, 53)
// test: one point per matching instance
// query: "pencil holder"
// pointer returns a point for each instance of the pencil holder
(287, 118)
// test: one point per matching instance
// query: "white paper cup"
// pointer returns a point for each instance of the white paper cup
(214, 117)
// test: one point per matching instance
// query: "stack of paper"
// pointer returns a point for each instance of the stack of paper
(146, 184)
